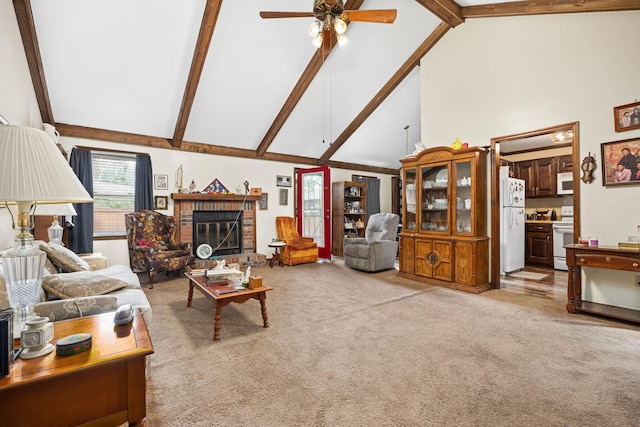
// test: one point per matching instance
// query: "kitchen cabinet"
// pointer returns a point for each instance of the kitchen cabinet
(539, 176)
(539, 238)
(348, 212)
(444, 225)
(565, 163)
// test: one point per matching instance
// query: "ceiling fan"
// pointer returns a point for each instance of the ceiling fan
(331, 15)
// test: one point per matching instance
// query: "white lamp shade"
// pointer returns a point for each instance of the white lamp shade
(59, 209)
(34, 169)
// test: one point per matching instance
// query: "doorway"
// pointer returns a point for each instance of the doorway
(313, 207)
(528, 142)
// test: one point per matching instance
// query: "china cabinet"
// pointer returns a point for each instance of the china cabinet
(348, 212)
(444, 222)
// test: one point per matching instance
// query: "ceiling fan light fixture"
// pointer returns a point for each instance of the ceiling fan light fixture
(317, 40)
(342, 39)
(339, 25)
(314, 28)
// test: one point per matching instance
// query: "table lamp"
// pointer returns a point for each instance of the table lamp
(58, 209)
(33, 172)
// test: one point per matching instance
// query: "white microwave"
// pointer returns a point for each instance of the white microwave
(565, 183)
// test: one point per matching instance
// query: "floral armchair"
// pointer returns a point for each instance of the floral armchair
(152, 245)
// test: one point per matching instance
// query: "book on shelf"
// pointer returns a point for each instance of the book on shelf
(629, 245)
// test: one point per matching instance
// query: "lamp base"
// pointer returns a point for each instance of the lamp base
(32, 353)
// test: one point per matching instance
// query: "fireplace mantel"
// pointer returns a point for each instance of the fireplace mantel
(215, 196)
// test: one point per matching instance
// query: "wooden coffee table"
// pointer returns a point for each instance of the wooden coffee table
(105, 385)
(222, 300)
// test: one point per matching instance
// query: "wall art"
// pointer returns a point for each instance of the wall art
(620, 162)
(627, 117)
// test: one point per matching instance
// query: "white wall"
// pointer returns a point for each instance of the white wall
(493, 77)
(18, 104)
(231, 171)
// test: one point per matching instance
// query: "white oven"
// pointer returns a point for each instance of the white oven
(565, 183)
(562, 235)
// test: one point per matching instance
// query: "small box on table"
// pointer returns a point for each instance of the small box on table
(255, 282)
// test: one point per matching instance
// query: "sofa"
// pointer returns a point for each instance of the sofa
(75, 286)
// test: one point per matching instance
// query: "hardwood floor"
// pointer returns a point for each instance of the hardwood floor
(541, 282)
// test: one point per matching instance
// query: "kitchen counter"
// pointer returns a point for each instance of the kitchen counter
(538, 221)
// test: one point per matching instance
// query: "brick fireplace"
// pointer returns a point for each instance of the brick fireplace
(185, 204)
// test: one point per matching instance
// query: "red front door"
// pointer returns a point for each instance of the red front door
(313, 195)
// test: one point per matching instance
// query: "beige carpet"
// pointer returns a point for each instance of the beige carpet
(346, 348)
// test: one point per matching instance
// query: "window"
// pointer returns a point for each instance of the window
(114, 184)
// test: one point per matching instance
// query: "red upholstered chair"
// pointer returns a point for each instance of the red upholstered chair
(152, 245)
(298, 249)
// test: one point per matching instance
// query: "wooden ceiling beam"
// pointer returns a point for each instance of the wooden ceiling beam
(387, 89)
(207, 26)
(300, 88)
(84, 132)
(447, 10)
(534, 7)
(24, 15)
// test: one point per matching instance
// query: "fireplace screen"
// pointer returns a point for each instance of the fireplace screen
(222, 230)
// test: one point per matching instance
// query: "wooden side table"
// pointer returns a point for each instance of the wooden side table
(276, 255)
(105, 385)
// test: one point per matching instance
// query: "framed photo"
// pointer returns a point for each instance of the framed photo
(283, 181)
(161, 203)
(620, 162)
(264, 202)
(627, 117)
(161, 182)
(284, 197)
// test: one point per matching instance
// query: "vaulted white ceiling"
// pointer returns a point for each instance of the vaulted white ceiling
(120, 67)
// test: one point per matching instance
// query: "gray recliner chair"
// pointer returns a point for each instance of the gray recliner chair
(378, 249)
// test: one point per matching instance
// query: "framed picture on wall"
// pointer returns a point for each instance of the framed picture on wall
(283, 181)
(161, 203)
(264, 202)
(284, 197)
(161, 182)
(627, 117)
(620, 162)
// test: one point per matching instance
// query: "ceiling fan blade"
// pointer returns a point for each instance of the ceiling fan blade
(383, 16)
(267, 15)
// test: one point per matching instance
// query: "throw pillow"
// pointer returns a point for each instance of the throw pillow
(76, 307)
(65, 259)
(81, 284)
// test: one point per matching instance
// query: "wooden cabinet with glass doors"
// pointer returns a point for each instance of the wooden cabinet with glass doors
(443, 239)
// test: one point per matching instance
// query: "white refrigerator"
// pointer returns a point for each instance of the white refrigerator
(512, 236)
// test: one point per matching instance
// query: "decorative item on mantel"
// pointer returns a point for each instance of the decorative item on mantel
(192, 186)
(179, 180)
(216, 187)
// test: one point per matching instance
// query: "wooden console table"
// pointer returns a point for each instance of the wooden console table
(608, 257)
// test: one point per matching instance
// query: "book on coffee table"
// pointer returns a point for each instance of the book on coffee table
(224, 289)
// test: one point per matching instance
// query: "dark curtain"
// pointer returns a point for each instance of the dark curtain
(81, 236)
(373, 194)
(144, 183)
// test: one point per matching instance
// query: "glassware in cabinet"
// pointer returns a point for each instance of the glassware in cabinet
(434, 213)
(410, 199)
(463, 194)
